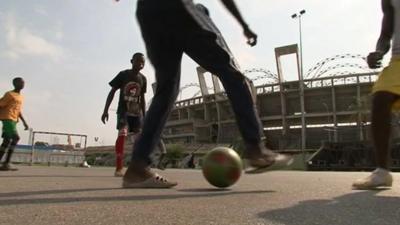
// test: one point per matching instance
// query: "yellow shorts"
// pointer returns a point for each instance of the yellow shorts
(389, 80)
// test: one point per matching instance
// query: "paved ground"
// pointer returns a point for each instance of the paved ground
(58, 195)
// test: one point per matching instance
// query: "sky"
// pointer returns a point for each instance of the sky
(68, 50)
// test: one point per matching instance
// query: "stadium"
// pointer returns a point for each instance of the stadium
(328, 111)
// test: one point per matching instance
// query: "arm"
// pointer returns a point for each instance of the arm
(4, 100)
(110, 97)
(383, 44)
(143, 104)
(23, 121)
(250, 35)
(142, 96)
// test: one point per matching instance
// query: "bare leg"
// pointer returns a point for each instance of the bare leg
(381, 117)
(381, 129)
(7, 165)
(4, 146)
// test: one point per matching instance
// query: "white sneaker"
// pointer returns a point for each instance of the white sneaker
(378, 178)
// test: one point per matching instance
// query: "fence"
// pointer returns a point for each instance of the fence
(40, 152)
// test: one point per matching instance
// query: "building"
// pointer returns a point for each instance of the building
(336, 109)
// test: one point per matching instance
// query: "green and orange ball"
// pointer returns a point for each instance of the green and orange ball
(222, 167)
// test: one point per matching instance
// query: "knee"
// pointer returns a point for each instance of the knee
(15, 140)
(174, 88)
(383, 101)
(166, 95)
(123, 132)
(6, 142)
(227, 71)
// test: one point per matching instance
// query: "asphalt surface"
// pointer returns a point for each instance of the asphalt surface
(61, 195)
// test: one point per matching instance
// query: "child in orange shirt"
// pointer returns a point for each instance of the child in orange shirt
(10, 113)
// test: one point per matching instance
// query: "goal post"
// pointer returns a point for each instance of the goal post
(70, 151)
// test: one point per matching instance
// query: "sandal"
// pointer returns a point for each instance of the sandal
(155, 181)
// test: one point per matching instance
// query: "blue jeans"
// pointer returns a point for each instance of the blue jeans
(169, 31)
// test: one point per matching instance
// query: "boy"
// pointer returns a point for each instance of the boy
(10, 113)
(386, 95)
(131, 105)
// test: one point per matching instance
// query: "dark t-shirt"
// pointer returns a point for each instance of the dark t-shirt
(131, 87)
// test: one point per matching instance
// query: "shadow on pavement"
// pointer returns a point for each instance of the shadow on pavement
(55, 176)
(357, 208)
(213, 190)
(168, 196)
(50, 192)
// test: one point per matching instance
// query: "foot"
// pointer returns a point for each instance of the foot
(377, 179)
(8, 167)
(268, 161)
(119, 173)
(140, 176)
(162, 164)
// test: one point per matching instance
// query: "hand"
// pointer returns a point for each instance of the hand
(104, 117)
(374, 60)
(251, 36)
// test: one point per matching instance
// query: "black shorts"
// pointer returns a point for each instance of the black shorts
(129, 124)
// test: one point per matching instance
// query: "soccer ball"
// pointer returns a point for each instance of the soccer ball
(222, 167)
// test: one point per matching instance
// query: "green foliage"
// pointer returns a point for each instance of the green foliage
(101, 159)
(175, 154)
(91, 159)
